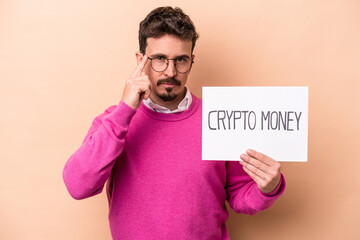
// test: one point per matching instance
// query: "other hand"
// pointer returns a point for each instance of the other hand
(137, 87)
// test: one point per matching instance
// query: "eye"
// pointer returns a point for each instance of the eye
(159, 58)
(181, 59)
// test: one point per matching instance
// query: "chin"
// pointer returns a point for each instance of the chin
(167, 97)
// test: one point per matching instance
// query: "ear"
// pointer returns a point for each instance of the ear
(139, 57)
(192, 57)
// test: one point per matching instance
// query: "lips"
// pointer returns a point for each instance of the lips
(168, 85)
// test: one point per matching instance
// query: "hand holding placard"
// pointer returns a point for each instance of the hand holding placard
(262, 169)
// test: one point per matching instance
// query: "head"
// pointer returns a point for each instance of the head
(167, 32)
(166, 20)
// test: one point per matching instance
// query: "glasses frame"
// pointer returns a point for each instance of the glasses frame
(167, 65)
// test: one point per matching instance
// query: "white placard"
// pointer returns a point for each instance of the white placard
(271, 120)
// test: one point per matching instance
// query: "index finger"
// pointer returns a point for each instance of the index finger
(260, 156)
(140, 67)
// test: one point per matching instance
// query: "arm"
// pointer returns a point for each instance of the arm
(245, 195)
(87, 170)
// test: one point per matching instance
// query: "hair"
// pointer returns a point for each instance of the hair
(166, 20)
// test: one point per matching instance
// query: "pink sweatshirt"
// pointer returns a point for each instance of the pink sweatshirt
(158, 186)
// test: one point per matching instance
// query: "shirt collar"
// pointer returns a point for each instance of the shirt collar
(183, 105)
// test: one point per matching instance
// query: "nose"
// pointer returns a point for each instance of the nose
(170, 71)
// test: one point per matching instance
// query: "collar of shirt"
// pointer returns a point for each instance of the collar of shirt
(183, 105)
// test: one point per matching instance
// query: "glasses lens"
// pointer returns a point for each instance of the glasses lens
(183, 65)
(159, 64)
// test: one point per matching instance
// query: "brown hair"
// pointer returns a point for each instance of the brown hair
(166, 20)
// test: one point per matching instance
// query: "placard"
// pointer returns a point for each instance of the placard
(271, 120)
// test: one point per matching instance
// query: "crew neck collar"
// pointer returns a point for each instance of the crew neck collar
(173, 116)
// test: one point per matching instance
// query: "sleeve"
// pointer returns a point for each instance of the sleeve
(243, 194)
(87, 170)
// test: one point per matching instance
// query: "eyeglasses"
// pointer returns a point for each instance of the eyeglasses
(161, 63)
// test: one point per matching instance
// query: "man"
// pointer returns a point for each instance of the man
(148, 148)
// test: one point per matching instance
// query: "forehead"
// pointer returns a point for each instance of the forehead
(168, 45)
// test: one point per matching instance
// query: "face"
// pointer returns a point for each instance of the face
(168, 85)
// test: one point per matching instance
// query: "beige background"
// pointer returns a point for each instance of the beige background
(63, 62)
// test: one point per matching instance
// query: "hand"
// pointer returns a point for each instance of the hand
(264, 170)
(137, 87)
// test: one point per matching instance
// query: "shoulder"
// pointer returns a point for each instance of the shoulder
(196, 99)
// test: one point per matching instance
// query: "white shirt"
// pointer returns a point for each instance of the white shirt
(183, 105)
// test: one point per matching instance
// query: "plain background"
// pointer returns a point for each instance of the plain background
(64, 62)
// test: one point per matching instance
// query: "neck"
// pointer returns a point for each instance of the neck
(172, 105)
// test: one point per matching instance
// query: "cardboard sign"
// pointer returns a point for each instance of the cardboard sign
(271, 120)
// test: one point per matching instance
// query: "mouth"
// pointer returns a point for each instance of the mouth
(168, 85)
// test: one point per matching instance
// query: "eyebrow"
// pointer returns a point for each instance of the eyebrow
(163, 55)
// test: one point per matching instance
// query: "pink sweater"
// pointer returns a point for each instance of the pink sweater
(158, 186)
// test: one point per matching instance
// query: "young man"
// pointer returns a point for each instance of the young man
(148, 149)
